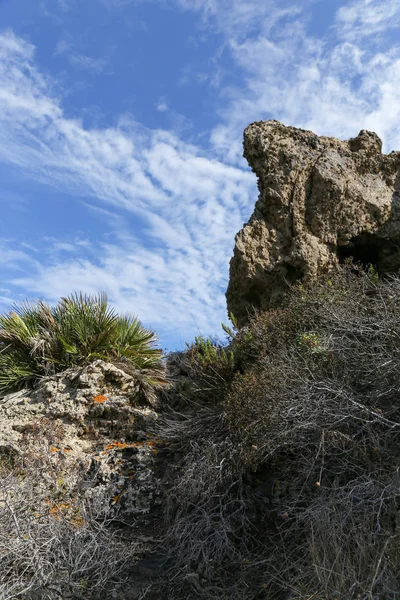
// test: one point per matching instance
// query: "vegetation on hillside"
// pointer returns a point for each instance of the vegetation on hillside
(38, 340)
(284, 444)
(56, 541)
(290, 483)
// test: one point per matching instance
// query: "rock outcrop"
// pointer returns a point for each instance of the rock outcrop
(88, 420)
(85, 437)
(321, 200)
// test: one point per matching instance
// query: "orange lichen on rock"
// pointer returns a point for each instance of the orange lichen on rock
(64, 509)
(54, 449)
(117, 446)
(100, 399)
(123, 445)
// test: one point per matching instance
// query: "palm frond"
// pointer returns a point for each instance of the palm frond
(16, 371)
(14, 328)
(38, 340)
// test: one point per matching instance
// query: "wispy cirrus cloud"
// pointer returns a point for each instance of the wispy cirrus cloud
(363, 18)
(241, 18)
(13, 258)
(162, 105)
(187, 206)
(171, 290)
(79, 59)
(335, 84)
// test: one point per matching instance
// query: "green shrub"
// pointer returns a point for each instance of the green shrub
(209, 354)
(38, 340)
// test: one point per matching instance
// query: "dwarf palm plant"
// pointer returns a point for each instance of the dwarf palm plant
(37, 340)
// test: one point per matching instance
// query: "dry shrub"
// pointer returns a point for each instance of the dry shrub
(290, 488)
(201, 374)
(208, 529)
(56, 550)
(55, 541)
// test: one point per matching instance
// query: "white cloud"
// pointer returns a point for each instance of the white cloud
(173, 273)
(367, 17)
(177, 291)
(12, 258)
(80, 60)
(162, 105)
(332, 85)
(241, 17)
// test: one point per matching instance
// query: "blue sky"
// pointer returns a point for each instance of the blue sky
(121, 127)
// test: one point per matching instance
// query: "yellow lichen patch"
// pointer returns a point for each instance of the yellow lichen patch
(100, 399)
(137, 444)
(123, 445)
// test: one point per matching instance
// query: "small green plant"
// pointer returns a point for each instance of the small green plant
(310, 341)
(208, 353)
(230, 332)
(38, 340)
(373, 273)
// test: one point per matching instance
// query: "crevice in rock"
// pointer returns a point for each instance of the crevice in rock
(369, 249)
(255, 293)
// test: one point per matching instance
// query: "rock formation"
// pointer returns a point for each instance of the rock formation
(80, 443)
(86, 437)
(321, 200)
(88, 419)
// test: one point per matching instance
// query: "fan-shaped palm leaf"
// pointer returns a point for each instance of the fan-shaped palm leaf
(37, 340)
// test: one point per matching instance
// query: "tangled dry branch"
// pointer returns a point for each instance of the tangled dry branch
(290, 486)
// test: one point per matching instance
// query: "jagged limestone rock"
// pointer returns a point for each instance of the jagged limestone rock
(88, 424)
(321, 200)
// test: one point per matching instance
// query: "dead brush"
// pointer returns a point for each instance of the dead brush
(316, 410)
(54, 541)
(50, 553)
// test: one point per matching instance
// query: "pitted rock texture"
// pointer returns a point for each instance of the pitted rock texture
(88, 424)
(321, 200)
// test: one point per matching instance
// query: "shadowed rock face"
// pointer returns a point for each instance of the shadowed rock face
(321, 200)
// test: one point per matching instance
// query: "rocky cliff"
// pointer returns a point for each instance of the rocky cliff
(321, 200)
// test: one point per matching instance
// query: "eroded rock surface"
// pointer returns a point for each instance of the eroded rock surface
(89, 424)
(321, 200)
(86, 436)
